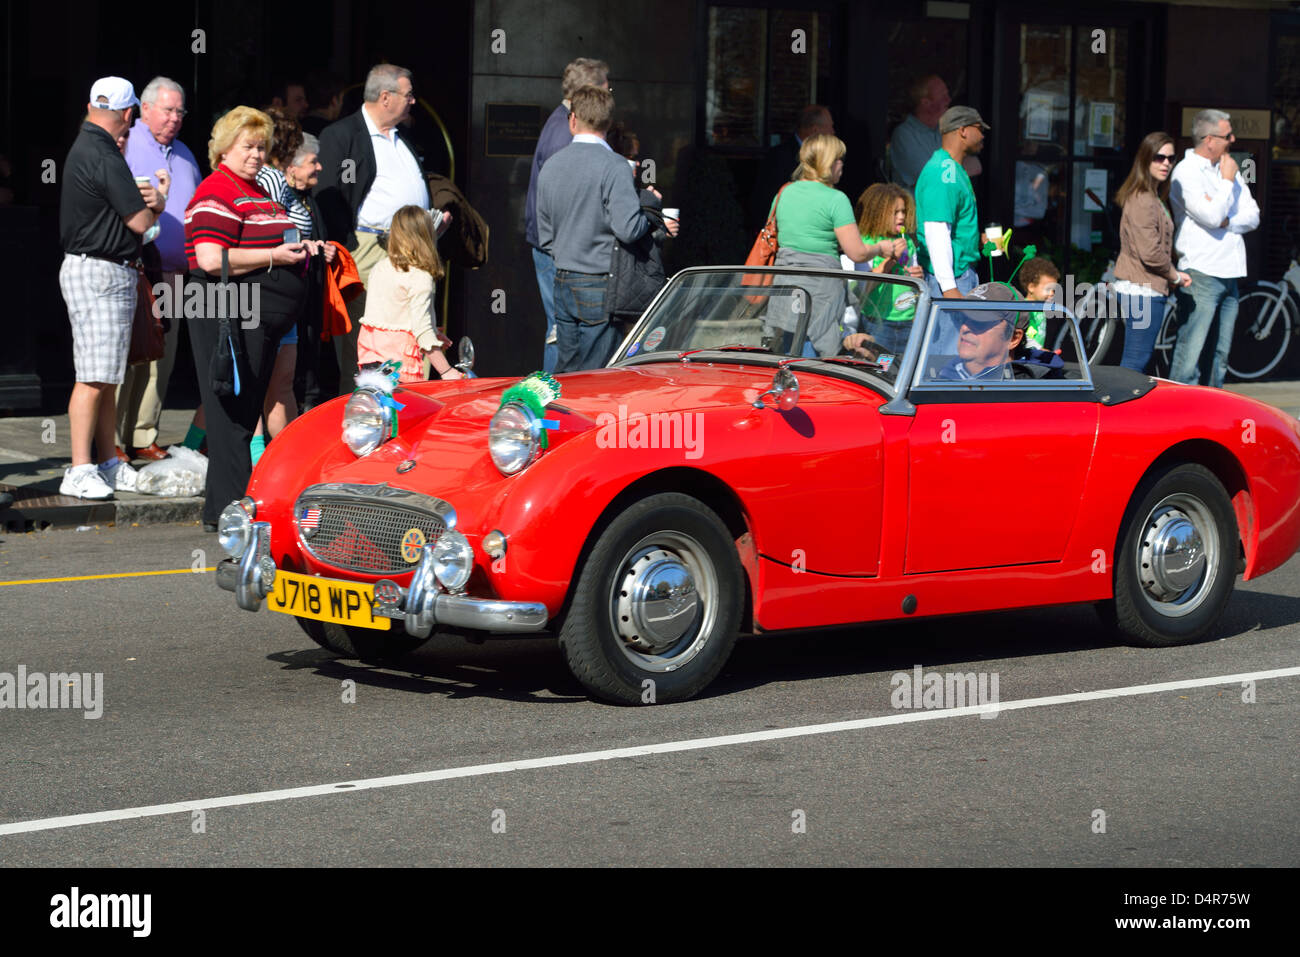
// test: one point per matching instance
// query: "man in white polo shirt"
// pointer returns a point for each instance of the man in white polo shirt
(1212, 209)
(369, 171)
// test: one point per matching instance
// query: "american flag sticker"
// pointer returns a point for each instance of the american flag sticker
(309, 521)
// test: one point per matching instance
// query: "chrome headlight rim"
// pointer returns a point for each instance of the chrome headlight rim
(525, 450)
(453, 560)
(235, 527)
(365, 423)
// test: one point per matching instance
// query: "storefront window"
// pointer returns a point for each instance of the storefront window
(1100, 90)
(764, 67)
(734, 106)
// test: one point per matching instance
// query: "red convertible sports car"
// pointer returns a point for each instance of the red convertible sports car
(727, 473)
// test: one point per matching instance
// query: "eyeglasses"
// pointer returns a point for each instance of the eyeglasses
(176, 111)
(1228, 139)
(409, 95)
(1163, 158)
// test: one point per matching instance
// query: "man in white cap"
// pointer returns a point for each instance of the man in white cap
(102, 215)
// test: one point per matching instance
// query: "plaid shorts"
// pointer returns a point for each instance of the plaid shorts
(101, 304)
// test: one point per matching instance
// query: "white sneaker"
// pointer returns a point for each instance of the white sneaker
(120, 475)
(85, 481)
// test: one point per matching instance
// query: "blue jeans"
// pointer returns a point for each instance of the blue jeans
(544, 264)
(892, 336)
(1142, 318)
(585, 336)
(1209, 294)
(965, 282)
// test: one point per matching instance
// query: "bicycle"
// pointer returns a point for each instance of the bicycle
(1267, 314)
(1098, 322)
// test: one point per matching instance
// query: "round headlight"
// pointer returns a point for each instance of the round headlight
(514, 437)
(235, 527)
(365, 423)
(453, 560)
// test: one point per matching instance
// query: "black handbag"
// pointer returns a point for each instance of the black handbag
(229, 353)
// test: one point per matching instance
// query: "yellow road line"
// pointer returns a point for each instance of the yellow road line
(86, 578)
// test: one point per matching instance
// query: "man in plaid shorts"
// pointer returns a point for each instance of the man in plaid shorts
(102, 215)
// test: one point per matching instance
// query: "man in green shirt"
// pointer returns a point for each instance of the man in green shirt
(945, 206)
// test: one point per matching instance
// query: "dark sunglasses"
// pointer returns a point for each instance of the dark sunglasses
(1163, 158)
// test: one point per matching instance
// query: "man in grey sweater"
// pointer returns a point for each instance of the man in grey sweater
(586, 200)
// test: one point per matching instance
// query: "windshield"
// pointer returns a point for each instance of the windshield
(782, 312)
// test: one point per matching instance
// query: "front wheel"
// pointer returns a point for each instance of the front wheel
(366, 644)
(1176, 562)
(657, 605)
(1259, 338)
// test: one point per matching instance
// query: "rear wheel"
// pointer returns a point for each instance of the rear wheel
(366, 644)
(1176, 561)
(1257, 346)
(1162, 355)
(657, 605)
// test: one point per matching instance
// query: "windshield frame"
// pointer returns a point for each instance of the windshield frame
(649, 317)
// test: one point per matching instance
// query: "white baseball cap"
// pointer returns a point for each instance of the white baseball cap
(119, 93)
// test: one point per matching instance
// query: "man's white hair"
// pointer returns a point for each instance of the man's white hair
(1207, 122)
(381, 78)
(150, 94)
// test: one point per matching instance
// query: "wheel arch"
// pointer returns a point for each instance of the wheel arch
(701, 485)
(1227, 468)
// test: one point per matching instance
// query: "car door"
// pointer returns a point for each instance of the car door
(997, 465)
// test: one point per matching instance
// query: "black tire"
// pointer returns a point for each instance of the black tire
(1185, 513)
(1162, 353)
(673, 546)
(365, 644)
(1097, 336)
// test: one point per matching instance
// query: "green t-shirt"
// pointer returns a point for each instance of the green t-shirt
(887, 301)
(944, 194)
(807, 215)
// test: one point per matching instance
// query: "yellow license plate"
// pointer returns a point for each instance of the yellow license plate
(326, 599)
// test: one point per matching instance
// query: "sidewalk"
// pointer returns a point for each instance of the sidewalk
(34, 451)
(32, 468)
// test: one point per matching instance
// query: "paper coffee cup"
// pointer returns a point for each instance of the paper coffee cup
(672, 213)
(993, 232)
(144, 181)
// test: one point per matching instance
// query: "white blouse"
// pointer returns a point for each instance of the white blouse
(401, 302)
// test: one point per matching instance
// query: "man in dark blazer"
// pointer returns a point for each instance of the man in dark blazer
(782, 159)
(369, 171)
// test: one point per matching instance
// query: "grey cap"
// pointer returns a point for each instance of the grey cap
(1000, 292)
(955, 117)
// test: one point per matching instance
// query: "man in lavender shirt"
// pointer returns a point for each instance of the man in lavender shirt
(554, 137)
(152, 146)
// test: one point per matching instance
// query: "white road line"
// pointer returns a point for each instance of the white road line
(587, 757)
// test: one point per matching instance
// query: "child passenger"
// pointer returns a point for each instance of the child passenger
(1039, 279)
(398, 323)
(888, 212)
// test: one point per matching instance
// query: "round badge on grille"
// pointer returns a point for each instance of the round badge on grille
(406, 465)
(412, 542)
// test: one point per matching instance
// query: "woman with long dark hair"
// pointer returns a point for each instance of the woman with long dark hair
(1145, 266)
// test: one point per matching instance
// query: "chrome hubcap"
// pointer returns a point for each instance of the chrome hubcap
(1178, 555)
(662, 603)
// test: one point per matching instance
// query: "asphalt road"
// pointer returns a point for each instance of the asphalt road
(202, 701)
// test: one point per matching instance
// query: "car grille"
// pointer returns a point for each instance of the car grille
(363, 537)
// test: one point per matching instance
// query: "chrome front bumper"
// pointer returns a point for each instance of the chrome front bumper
(420, 607)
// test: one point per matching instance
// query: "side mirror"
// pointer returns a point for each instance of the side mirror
(784, 391)
(465, 353)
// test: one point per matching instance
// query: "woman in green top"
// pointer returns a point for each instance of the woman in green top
(814, 223)
(889, 213)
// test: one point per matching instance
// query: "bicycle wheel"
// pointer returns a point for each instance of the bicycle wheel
(1259, 344)
(1097, 335)
(1162, 356)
